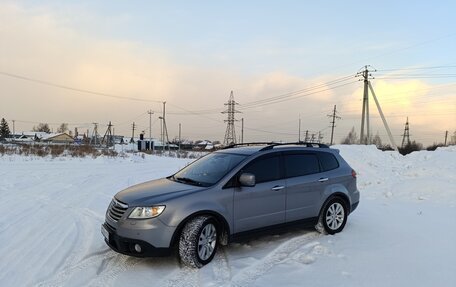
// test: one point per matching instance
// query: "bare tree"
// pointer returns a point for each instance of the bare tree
(42, 127)
(376, 140)
(410, 147)
(453, 139)
(351, 138)
(62, 128)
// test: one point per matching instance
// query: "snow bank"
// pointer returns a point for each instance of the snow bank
(423, 175)
(402, 234)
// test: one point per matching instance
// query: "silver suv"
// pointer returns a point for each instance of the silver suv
(230, 194)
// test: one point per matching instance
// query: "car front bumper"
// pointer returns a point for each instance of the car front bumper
(130, 246)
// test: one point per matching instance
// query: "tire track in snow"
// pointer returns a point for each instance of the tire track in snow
(221, 267)
(184, 276)
(110, 268)
(69, 270)
(249, 275)
(75, 260)
(217, 273)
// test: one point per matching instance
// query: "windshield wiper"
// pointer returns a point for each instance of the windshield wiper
(187, 180)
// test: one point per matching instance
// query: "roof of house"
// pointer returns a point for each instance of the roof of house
(54, 135)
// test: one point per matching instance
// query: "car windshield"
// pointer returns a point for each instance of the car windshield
(209, 169)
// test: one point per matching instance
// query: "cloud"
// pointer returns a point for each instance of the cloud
(430, 108)
(41, 46)
(38, 44)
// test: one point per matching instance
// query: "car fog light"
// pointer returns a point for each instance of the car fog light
(138, 248)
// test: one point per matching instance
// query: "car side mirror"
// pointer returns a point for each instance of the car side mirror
(247, 179)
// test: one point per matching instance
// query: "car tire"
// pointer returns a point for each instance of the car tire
(198, 241)
(333, 216)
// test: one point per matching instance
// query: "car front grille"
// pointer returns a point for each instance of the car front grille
(117, 209)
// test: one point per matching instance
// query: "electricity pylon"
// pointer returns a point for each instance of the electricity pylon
(230, 134)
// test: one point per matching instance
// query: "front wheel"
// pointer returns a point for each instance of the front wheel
(333, 216)
(198, 241)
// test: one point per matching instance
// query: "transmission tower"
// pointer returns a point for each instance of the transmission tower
(366, 138)
(230, 134)
(107, 138)
(133, 128)
(406, 135)
(94, 134)
(312, 138)
(333, 116)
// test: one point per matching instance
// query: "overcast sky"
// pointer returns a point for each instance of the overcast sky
(135, 54)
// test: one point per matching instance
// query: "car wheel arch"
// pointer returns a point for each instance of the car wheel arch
(222, 223)
(340, 195)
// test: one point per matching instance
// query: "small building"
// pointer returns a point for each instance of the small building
(58, 138)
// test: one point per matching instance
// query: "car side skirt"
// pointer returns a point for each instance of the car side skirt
(273, 229)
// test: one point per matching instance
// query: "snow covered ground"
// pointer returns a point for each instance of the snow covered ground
(402, 234)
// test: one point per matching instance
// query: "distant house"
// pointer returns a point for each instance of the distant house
(58, 138)
(35, 136)
(27, 137)
(205, 144)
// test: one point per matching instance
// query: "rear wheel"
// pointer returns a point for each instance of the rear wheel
(198, 241)
(333, 216)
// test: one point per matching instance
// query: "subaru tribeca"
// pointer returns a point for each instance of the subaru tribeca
(229, 194)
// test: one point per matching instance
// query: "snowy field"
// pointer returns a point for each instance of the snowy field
(402, 234)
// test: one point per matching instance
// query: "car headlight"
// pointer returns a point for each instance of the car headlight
(146, 212)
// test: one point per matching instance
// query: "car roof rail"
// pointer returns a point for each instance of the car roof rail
(248, 144)
(307, 144)
(271, 145)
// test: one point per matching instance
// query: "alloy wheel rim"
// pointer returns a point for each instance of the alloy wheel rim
(207, 241)
(335, 216)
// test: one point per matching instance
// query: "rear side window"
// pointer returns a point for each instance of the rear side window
(328, 161)
(264, 169)
(301, 164)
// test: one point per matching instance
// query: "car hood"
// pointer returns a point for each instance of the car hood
(154, 191)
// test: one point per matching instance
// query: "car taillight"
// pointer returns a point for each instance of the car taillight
(353, 173)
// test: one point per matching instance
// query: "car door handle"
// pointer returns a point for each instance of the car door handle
(278, 187)
(323, 179)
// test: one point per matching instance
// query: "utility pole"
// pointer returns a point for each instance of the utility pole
(366, 138)
(333, 122)
(94, 133)
(306, 139)
(179, 136)
(230, 134)
(446, 136)
(406, 135)
(242, 130)
(299, 129)
(320, 137)
(365, 113)
(14, 131)
(107, 138)
(150, 112)
(164, 128)
(133, 127)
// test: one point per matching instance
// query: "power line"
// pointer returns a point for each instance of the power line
(295, 95)
(75, 89)
(392, 77)
(276, 99)
(417, 68)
